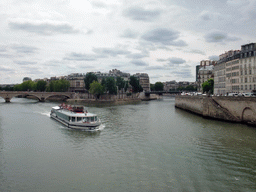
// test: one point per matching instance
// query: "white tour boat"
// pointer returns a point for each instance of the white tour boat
(74, 116)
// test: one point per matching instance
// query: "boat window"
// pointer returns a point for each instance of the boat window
(73, 119)
(84, 119)
(79, 119)
(92, 119)
(95, 118)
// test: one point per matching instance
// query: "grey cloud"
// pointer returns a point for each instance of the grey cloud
(142, 14)
(175, 60)
(164, 36)
(6, 69)
(43, 28)
(183, 74)
(217, 36)
(161, 60)
(80, 57)
(98, 4)
(137, 55)
(139, 63)
(214, 57)
(24, 49)
(25, 62)
(156, 68)
(195, 51)
(129, 34)
(111, 51)
(5, 55)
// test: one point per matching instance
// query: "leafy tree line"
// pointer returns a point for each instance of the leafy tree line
(158, 86)
(109, 85)
(54, 86)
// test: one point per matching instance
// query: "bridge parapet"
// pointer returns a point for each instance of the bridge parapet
(41, 96)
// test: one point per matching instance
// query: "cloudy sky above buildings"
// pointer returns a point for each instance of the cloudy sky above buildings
(165, 38)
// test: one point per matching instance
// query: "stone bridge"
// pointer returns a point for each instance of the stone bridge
(41, 96)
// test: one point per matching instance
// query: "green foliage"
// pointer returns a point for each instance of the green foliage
(159, 86)
(120, 83)
(134, 82)
(25, 86)
(187, 88)
(111, 85)
(208, 86)
(7, 88)
(89, 78)
(96, 89)
(152, 87)
(103, 83)
(40, 85)
(58, 86)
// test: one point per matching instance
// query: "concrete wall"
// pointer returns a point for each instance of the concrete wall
(235, 109)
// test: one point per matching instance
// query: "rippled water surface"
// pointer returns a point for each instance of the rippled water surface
(147, 146)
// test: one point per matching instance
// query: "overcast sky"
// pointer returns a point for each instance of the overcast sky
(165, 38)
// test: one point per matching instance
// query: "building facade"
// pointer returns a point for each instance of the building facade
(235, 71)
(205, 72)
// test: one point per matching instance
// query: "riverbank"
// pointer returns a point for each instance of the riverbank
(233, 109)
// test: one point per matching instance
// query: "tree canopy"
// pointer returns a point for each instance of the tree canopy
(89, 78)
(135, 83)
(208, 86)
(96, 89)
(58, 86)
(120, 83)
(159, 86)
(111, 85)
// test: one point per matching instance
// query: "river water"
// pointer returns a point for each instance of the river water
(147, 146)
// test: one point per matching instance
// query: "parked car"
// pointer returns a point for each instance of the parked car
(233, 94)
(247, 94)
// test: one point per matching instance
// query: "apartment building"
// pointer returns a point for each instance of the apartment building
(235, 71)
(144, 81)
(205, 72)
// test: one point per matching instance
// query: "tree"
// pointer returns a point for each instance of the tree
(159, 86)
(120, 83)
(152, 87)
(58, 86)
(111, 85)
(207, 86)
(40, 85)
(96, 89)
(89, 78)
(134, 82)
(103, 83)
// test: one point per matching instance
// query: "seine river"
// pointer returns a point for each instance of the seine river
(148, 146)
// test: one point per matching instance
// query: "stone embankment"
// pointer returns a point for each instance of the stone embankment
(118, 99)
(234, 109)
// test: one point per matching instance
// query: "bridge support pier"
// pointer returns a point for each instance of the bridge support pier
(42, 99)
(7, 100)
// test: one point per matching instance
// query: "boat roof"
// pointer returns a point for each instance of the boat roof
(73, 114)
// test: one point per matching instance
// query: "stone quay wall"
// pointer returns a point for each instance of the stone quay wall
(234, 109)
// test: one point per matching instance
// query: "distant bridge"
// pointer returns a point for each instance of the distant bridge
(162, 92)
(41, 96)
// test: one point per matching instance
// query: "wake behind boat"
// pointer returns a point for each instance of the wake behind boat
(75, 117)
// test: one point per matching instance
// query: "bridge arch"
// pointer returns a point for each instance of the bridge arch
(248, 115)
(53, 95)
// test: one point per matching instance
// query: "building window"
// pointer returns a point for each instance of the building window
(245, 79)
(245, 72)
(250, 87)
(242, 87)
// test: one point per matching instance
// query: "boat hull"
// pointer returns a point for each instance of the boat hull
(88, 126)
